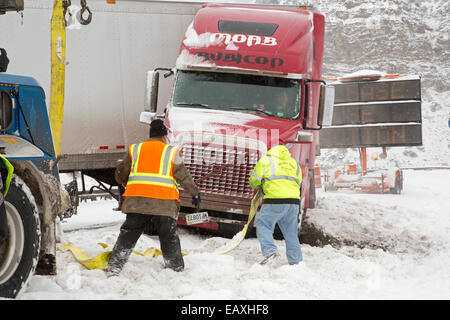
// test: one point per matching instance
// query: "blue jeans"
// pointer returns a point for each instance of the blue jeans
(286, 215)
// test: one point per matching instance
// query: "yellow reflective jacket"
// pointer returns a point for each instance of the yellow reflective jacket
(10, 169)
(278, 173)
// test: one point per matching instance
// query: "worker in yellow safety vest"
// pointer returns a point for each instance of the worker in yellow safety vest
(280, 177)
(151, 171)
(6, 171)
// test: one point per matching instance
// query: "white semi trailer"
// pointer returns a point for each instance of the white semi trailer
(105, 75)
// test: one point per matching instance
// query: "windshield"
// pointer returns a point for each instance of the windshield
(278, 97)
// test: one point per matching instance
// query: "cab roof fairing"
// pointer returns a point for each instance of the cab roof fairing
(288, 50)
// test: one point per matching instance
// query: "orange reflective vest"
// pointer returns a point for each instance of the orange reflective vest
(151, 172)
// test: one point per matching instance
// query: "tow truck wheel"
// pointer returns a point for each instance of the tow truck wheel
(20, 251)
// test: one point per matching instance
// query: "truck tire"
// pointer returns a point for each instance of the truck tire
(20, 251)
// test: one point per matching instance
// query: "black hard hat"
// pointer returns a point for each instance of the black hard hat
(157, 128)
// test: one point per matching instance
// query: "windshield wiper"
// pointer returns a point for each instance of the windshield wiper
(193, 104)
(251, 109)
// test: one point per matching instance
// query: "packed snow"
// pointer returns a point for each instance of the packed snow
(414, 227)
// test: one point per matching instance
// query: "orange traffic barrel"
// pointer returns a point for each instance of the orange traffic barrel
(317, 180)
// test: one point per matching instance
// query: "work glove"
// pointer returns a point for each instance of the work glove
(196, 202)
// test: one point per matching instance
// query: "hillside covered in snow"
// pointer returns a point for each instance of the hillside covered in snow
(394, 37)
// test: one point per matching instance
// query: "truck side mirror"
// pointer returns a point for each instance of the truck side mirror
(326, 105)
(151, 91)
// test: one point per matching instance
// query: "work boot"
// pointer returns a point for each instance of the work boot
(46, 265)
(117, 260)
(269, 258)
(176, 264)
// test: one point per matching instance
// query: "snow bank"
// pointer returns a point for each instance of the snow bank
(408, 227)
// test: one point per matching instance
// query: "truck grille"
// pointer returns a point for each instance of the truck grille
(219, 171)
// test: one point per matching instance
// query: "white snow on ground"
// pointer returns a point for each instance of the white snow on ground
(415, 225)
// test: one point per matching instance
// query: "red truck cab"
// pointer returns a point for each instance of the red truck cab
(246, 77)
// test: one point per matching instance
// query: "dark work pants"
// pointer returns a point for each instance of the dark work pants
(132, 229)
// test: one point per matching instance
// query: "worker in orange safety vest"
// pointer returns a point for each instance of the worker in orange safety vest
(151, 171)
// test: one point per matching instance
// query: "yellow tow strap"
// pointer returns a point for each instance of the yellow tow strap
(237, 239)
(101, 261)
(57, 59)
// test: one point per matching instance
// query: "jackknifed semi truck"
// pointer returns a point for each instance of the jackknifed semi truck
(246, 79)
(230, 67)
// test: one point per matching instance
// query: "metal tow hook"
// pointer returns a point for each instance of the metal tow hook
(66, 4)
(84, 8)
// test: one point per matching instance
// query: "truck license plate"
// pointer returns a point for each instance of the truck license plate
(198, 217)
